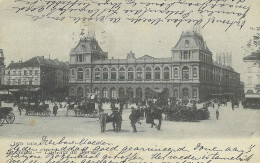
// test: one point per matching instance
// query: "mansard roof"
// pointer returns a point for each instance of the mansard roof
(195, 40)
(86, 45)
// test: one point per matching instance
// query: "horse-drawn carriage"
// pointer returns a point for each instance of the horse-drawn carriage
(35, 109)
(7, 115)
(86, 109)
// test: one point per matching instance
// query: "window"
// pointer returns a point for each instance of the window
(87, 73)
(105, 73)
(186, 55)
(19, 81)
(130, 73)
(105, 93)
(80, 58)
(121, 92)
(176, 93)
(80, 74)
(139, 93)
(139, 73)
(194, 94)
(186, 43)
(121, 73)
(185, 93)
(25, 72)
(175, 73)
(113, 93)
(97, 74)
(96, 91)
(72, 91)
(157, 73)
(36, 72)
(30, 81)
(14, 72)
(113, 73)
(185, 73)
(14, 81)
(148, 73)
(250, 92)
(30, 72)
(195, 72)
(166, 73)
(130, 93)
(72, 72)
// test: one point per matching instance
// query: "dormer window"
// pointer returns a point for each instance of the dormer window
(187, 43)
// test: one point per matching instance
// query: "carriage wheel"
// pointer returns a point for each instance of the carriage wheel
(2, 118)
(10, 118)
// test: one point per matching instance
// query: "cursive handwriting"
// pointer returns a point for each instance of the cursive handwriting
(99, 151)
(230, 13)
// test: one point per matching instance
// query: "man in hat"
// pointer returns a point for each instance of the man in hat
(55, 108)
(133, 119)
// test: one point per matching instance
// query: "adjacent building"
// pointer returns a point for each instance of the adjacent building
(252, 75)
(2, 66)
(189, 73)
(38, 74)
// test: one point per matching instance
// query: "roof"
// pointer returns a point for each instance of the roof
(147, 57)
(253, 56)
(37, 62)
(86, 45)
(196, 41)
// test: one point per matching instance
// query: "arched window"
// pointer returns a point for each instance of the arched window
(139, 93)
(97, 74)
(148, 73)
(250, 92)
(121, 92)
(166, 73)
(175, 73)
(113, 73)
(194, 93)
(157, 73)
(139, 73)
(121, 73)
(185, 93)
(80, 92)
(105, 73)
(185, 73)
(96, 91)
(105, 93)
(113, 93)
(130, 93)
(72, 72)
(194, 72)
(80, 74)
(130, 73)
(87, 73)
(175, 93)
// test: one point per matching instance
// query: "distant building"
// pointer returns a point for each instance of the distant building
(2, 66)
(252, 75)
(189, 73)
(44, 76)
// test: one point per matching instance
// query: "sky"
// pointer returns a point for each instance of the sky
(22, 39)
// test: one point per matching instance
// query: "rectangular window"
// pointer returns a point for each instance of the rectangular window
(139, 75)
(130, 75)
(24, 72)
(36, 72)
(194, 94)
(121, 75)
(157, 75)
(14, 72)
(105, 75)
(30, 72)
(113, 75)
(97, 75)
(148, 76)
(166, 76)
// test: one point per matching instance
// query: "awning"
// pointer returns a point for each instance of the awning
(157, 90)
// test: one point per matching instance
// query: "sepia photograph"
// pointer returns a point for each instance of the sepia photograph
(114, 81)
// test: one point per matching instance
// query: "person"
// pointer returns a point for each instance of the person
(55, 108)
(217, 114)
(133, 119)
(233, 104)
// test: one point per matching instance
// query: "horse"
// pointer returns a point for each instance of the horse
(152, 115)
(116, 121)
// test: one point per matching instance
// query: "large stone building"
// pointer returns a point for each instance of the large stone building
(189, 73)
(252, 75)
(37, 74)
(2, 66)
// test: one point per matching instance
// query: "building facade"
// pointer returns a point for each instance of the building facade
(38, 74)
(2, 66)
(189, 73)
(252, 75)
